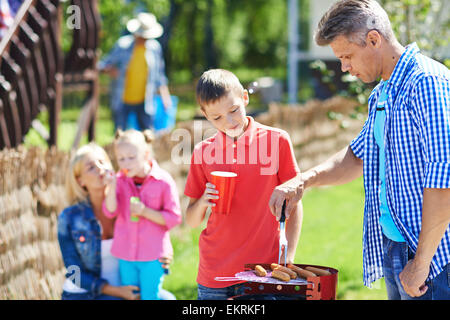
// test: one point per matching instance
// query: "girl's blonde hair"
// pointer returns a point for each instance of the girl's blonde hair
(135, 137)
(75, 192)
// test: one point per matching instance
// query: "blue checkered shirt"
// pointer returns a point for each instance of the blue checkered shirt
(417, 147)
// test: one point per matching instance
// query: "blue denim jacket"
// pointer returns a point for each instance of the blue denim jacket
(79, 237)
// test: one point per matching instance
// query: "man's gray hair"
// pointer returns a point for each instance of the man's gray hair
(353, 19)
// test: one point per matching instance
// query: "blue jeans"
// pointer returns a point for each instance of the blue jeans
(144, 120)
(147, 275)
(206, 293)
(396, 255)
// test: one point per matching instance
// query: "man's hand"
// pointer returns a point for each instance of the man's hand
(413, 278)
(291, 191)
(113, 72)
(435, 220)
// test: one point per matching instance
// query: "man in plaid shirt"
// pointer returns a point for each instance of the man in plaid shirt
(403, 151)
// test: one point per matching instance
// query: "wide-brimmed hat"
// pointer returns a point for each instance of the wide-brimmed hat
(145, 26)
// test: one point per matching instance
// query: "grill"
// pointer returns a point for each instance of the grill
(316, 288)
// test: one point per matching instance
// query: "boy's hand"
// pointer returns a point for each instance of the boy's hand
(211, 193)
(197, 207)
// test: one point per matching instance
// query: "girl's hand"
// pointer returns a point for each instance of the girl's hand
(137, 208)
(211, 193)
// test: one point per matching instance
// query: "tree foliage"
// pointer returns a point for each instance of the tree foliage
(201, 34)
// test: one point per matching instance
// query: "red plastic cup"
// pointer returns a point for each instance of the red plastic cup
(225, 183)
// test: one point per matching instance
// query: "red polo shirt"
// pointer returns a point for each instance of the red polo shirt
(263, 158)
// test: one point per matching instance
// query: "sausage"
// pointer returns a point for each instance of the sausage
(291, 273)
(273, 266)
(302, 273)
(260, 271)
(276, 266)
(319, 272)
(280, 275)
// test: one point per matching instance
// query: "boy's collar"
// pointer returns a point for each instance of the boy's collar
(246, 138)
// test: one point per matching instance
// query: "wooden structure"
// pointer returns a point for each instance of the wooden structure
(80, 65)
(33, 69)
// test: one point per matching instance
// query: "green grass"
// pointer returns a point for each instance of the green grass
(331, 236)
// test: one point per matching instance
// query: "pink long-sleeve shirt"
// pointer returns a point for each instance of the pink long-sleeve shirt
(145, 240)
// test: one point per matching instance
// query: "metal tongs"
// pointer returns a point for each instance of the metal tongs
(283, 241)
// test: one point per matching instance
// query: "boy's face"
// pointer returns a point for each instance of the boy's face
(228, 113)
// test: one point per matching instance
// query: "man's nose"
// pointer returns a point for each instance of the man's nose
(345, 66)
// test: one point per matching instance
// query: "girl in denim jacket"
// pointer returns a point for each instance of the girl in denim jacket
(141, 233)
(85, 234)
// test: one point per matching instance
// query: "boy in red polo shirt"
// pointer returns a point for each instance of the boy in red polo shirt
(263, 158)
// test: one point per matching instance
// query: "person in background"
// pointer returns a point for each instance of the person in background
(403, 151)
(137, 67)
(142, 226)
(85, 234)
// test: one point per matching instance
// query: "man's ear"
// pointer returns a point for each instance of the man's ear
(374, 39)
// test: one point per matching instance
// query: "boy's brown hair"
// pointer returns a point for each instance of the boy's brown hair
(214, 84)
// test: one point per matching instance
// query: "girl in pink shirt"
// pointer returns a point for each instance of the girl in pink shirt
(141, 234)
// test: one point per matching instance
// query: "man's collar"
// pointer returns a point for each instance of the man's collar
(401, 67)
